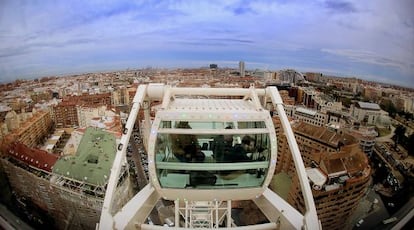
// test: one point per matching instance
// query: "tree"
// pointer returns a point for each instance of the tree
(346, 102)
(388, 106)
(399, 134)
(410, 145)
(409, 116)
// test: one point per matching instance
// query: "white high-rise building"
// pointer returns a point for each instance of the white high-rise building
(241, 68)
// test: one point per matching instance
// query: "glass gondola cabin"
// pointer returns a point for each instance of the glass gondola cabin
(212, 149)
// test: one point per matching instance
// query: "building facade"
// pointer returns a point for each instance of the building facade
(311, 116)
(29, 128)
(70, 189)
(368, 113)
(241, 69)
(337, 168)
(65, 114)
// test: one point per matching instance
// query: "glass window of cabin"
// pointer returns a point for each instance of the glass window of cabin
(196, 124)
(251, 125)
(211, 159)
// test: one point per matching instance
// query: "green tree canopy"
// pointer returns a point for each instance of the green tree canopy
(399, 134)
(410, 145)
(388, 106)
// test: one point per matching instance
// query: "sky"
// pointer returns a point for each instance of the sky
(370, 39)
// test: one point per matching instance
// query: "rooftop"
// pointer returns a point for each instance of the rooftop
(332, 138)
(211, 104)
(306, 111)
(5, 108)
(350, 160)
(34, 157)
(316, 176)
(368, 106)
(93, 159)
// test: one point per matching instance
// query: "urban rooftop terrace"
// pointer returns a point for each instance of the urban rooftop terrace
(93, 159)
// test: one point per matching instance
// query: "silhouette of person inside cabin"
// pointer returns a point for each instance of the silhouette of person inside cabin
(222, 145)
(239, 151)
(185, 147)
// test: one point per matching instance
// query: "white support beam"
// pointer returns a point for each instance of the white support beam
(229, 218)
(136, 211)
(166, 99)
(255, 99)
(215, 91)
(278, 211)
(267, 226)
(310, 219)
(177, 213)
(106, 221)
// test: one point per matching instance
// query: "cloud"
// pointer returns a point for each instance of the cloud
(280, 33)
(30, 47)
(242, 10)
(369, 57)
(231, 40)
(340, 6)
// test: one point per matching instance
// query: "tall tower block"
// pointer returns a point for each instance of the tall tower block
(241, 68)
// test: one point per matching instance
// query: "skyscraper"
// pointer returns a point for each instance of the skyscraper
(241, 68)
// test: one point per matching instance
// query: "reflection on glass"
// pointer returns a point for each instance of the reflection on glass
(205, 161)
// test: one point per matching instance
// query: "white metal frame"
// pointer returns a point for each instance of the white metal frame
(171, 95)
(135, 212)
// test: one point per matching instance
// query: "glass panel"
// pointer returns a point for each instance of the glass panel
(251, 125)
(212, 160)
(165, 125)
(221, 179)
(207, 125)
(213, 125)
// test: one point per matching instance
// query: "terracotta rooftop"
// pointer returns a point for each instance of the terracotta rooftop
(350, 160)
(355, 160)
(33, 157)
(322, 134)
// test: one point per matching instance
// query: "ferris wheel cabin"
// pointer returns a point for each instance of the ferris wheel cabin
(207, 146)
(212, 149)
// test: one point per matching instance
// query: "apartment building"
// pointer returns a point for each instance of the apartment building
(27, 128)
(4, 109)
(284, 157)
(65, 114)
(91, 99)
(121, 96)
(91, 116)
(369, 114)
(337, 168)
(366, 136)
(287, 100)
(339, 182)
(70, 189)
(311, 116)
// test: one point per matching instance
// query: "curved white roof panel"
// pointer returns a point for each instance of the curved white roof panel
(369, 106)
(306, 111)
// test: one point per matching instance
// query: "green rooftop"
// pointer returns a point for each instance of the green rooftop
(93, 160)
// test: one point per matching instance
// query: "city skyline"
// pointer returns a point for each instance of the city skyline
(372, 40)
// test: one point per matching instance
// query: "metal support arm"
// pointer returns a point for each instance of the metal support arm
(107, 221)
(310, 218)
